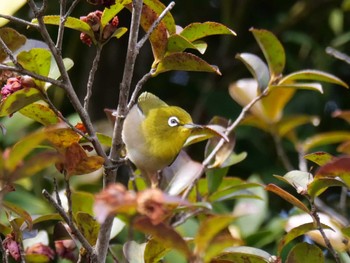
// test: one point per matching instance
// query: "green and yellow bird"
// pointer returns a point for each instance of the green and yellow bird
(154, 133)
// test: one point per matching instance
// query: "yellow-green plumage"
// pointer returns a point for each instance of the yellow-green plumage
(154, 133)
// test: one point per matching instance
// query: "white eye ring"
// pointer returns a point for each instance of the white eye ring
(173, 121)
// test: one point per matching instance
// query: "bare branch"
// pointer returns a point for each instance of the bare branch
(138, 87)
(9, 53)
(154, 25)
(19, 21)
(63, 5)
(92, 77)
(71, 8)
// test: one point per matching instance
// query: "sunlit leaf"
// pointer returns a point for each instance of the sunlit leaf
(177, 43)
(163, 234)
(234, 191)
(319, 185)
(82, 202)
(320, 158)
(312, 75)
(286, 196)
(18, 211)
(18, 100)
(184, 61)
(301, 251)
(37, 60)
(40, 113)
(197, 31)
(158, 8)
(35, 164)
(120, 32)
(109, 13)
(205, 132)
(54, 71)
(296, 232)
(23, 147)
(273, 51)
(290, 123)
(298, 179)
(134, 252)
(241, 254)
(88, 226)
(307, 86)
(9, 8)
(338, 167)
(326, 138)
(154, 251)
(104, 139)
(257, 68)
(11, 37)
(208, 229)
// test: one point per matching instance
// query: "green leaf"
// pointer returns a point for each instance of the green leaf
(286, 196)
(306, 86)
(37, 60)
(47, 217)
(104, 139)
(273, 51)
(298, 179)
(319, 185)
(184, 61)
(134, 252)
(54, 71)
(338, 167)
(109, 13)
(154, 251)
(313, 75)
(88, 226)
(40, 113)
(290, 123)
(18, 211)
(120, 32)
(320, 158)
(208, 229)
(257, 68)
(296, 232)
(177, 43)
(197, 31)
(23, 147)
(163, 234)
(11, 37)
(82, 202)
(71, 22)
(9, 8)
(158, 8)
(301, 251)
(35, 164)
(18, 100)
(326, 138)
(243, 254)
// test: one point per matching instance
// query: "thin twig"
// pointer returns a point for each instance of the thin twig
(91, 78)
(69, 198)
(74, 229)
(154, 25)
(138, 87)
(59, 41)
(281, 152)
(19, 21)
(3, 252)
(9, 53)
(55, 185)
(71, 8)
(337, 54)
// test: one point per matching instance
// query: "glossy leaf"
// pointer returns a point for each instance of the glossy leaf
(197, 31)
(134, 252)
(177, 43)
(205, 132)
(319, 185)
(326, 138)
(88, 226)
(306, 86)
(233, 191)
(163, 234)
(312, 75)
(54, 71)
(11, 37)
(104, 139)
(296, 232)
(23, 147)
(109, 13)
(257, 68)
(40, 113)
(208, 229)
(338, 167)
(71, 22)
(82, 202)
(47, 217)
(320, 158)
(37, 60)
(61, 138)
(23, 214)
(298, 179)
(184, 61)
(287, 196)
(158, 8)
(154, 251)
(301, 251)
(120, 32)
(35, 164)
(19, 100)
(290, 123)
(273, 51)
(243, 254)
(9, 8)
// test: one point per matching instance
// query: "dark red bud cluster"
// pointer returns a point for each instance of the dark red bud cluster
(106, 3)
(14, 84)
(94, 21)
(12, 247)
(66, 249)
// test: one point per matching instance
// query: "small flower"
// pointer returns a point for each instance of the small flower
(66, 249)
(14, 84)
(11, 247)
(41, 249)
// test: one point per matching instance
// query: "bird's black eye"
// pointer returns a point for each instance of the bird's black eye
(173, 121)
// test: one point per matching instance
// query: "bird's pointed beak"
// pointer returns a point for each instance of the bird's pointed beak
(203, 132)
